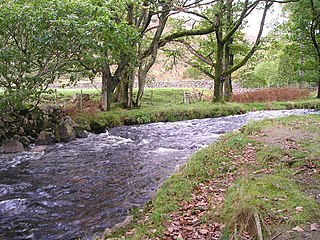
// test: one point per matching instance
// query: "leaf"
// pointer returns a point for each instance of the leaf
(314, 227)
(298, 229)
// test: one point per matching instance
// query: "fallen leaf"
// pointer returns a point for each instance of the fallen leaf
(180, 237)
(314, 227)
(298, 229)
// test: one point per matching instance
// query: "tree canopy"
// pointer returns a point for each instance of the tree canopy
(120, 40)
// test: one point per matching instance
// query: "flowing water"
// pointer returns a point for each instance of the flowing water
(78, 189)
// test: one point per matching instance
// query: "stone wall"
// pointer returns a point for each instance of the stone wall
(42, 125)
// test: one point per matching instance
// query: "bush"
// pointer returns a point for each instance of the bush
(270, 94)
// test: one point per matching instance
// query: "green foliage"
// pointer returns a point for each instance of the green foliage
(40, 40)
(287, 56)
(266, 74)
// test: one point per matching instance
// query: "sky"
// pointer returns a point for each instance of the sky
(254, 19)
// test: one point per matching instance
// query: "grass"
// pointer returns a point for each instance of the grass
(274, 195)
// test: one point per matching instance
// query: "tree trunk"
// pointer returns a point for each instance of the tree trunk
(130, 90)
(122, 91)
(228, 55)
(104, 94)
(318, 95)
(109, 95)
(109, 84)
(218, 77)
(142, 74)
(229, 61)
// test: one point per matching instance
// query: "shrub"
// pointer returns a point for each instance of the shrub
(270, 94)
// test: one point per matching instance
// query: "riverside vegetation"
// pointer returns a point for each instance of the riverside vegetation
(167, 105)
(160, 105)
(260, 181)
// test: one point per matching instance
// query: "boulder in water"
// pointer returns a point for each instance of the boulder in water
(66, 133)
(97, 128)
(46, 138)
(12, 146)
(80, 133)
(23, 139)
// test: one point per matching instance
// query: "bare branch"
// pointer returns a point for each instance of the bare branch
(177, 35)
(199, 15)
(196, 53)
(206, 72)
(257, 42)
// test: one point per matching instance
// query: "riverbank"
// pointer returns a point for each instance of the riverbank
(178, 112)
(261, 180)
(168, 105)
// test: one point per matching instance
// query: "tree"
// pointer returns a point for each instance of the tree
(304, 30)
(36, 46)
(150, 18)
(108, 48)
(40, 40)
(216, 54)
(315, 34)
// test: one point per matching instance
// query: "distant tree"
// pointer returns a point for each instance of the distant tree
(266, 73)
(304, 30)
(222, 52)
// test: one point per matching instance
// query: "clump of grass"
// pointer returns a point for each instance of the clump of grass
(275, 197)
(271, 94)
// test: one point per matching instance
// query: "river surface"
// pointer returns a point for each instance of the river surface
(76, 190)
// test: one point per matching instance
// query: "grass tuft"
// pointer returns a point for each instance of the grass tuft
(275, 197)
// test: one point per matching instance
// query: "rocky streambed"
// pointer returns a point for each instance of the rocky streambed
(77, 189)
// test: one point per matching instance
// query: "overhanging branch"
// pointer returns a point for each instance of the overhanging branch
(177, 35)
(196, 53)
(257, 42)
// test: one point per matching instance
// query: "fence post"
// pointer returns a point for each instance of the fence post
(81, 100)
(55, 96)
(186, 97)
(151, 98)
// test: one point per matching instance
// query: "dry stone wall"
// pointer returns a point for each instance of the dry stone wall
(42, 125)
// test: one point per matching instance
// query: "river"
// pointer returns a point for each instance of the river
(76, 190)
